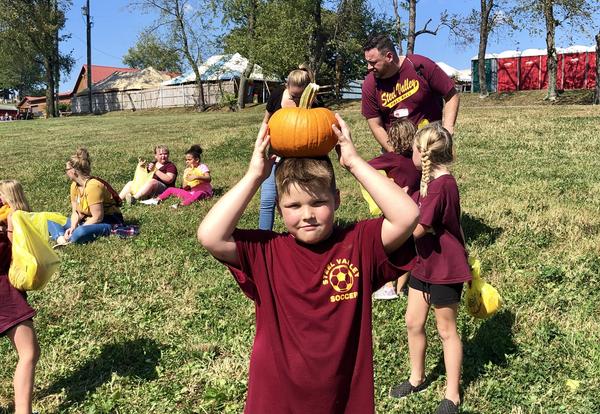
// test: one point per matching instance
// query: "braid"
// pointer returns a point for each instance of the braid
(435, 145)
(426, 171)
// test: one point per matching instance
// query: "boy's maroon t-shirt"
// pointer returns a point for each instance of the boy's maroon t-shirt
(313, 347)
(400, 168)
(168, 167)
(406, 94)
(441, 257)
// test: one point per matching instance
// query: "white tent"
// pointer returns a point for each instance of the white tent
(222, 67)
(462, 75)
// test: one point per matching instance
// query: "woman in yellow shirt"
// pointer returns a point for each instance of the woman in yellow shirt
(94, 209)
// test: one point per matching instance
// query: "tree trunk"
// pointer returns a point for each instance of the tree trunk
(317, 39)
(597, 90)
(201, 104)
(243, 87)
(49, 69)
(484, 31)
(56, 63)
(412, 18)
(551, 65)
(338, 76)
(398, 27)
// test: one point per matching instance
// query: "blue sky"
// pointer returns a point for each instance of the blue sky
(116, 28)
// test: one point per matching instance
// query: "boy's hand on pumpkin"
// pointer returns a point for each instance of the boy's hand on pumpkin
(261, 163)
(345, 147)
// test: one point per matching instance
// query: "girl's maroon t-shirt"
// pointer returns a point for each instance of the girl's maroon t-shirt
(312, 351)
(441, 257)
(400, 168)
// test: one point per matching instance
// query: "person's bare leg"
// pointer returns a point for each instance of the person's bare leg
(401, 283)
(147, 190)
(125, 190)
(416, 316)
(25, 342)
(445, 317)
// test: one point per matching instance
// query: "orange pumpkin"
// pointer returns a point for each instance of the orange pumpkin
(303, 131)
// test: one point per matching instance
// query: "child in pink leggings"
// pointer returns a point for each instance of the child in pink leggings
(196, 180)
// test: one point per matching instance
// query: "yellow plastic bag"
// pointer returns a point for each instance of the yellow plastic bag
(374, 209)
(141, 177)
(482, 299)
(4, 211)
(33, 260)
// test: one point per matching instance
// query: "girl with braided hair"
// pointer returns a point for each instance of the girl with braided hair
(441, 267)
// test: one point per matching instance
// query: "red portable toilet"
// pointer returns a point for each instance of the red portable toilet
(508, 71)
(530, 76)
(573, 68)
(591, 68)
(559, 65)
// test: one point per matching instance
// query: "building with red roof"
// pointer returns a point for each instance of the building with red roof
(99, 73)
(36, 105)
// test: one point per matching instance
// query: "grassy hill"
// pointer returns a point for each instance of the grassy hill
(152, 324)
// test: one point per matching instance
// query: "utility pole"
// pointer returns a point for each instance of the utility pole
(86, 13)
(56, 63)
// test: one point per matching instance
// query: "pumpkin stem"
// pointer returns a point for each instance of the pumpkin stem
(309, 95)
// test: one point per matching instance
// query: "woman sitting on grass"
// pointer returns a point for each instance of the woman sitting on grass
(94, 204)
(165, 174)
(196, 181)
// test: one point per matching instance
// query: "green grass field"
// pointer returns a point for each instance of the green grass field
(152, 324)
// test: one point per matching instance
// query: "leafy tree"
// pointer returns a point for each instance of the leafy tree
(183, 23)
(243, 14)
(34, 26)
(150, 51)
(554, 13)
(19, 69)
(491, 18)
(350, 26)
(287, 33)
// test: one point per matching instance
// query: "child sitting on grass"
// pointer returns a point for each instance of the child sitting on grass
(196, 181)
(16, 316)
(312, 285)
(441, 267)
(398, 166)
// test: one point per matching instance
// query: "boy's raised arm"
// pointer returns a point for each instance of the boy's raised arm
(401, 213)
(215, 232)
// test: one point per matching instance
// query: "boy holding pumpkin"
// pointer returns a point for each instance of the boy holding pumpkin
(312, 285)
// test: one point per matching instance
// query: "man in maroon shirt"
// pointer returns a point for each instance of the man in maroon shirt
(311, 285)
(410, 87)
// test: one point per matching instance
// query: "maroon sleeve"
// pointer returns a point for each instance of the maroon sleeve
(369, 105)
(250, 249)
(438, 81)
(386, 267)
(170, 168)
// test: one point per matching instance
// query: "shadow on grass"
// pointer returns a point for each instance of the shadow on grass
(135, 359)
(478, 232)
(490, 345)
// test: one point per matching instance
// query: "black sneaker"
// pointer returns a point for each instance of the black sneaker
(405, 389)
(447, 407)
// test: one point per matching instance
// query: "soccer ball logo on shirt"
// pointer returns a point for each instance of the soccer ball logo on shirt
(341, 275)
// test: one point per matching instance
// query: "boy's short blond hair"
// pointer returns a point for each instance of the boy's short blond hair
(312, 175)
(401, 136)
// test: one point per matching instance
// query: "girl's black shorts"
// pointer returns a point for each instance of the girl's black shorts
(439, 295)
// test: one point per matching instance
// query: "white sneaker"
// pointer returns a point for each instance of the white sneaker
(175, 205)
(150, 201)
(385, 293)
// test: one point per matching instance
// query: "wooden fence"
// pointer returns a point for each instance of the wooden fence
(163, 97)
